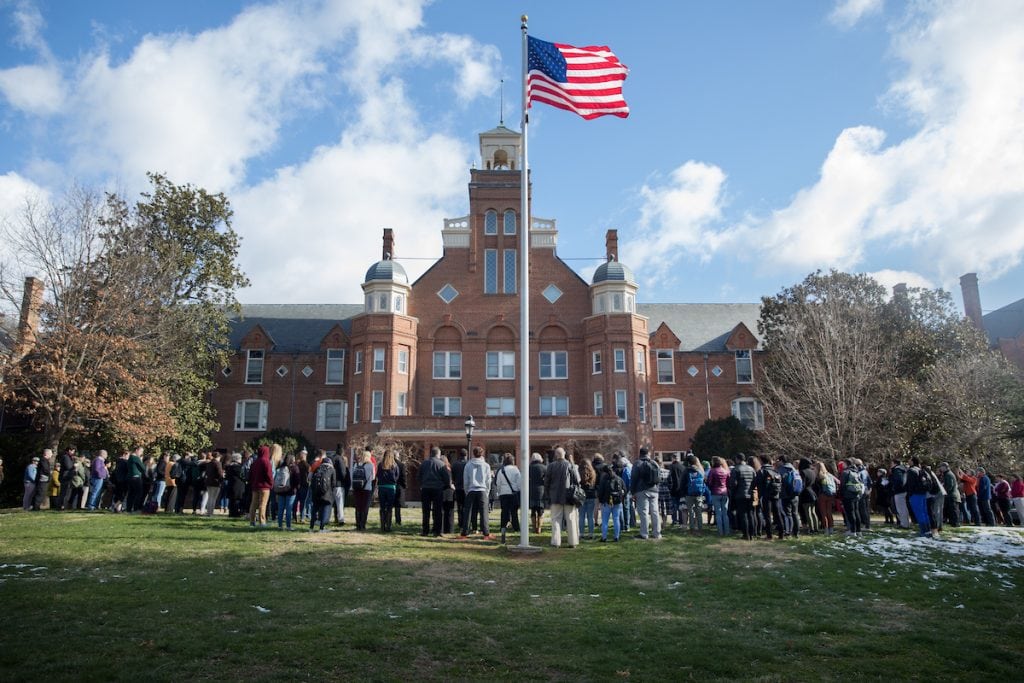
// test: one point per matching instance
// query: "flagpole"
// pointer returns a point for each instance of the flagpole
(524, 320)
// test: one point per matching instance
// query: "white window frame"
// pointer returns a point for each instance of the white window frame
(254, 357)
(261, 418)
(503, 365)
(745, 357)
(641, 361)
(449, 369)
(402, 403)
(500, 405)
(758, 417)
(554, 406)
(678, 415)
(595, 362)
(335, 359)
(376, 405)
(357, 406)
(552, 358)
(489, 227)
(379, 355)
(452, 405)
(641, 407)
(621, 409)
(321, 416)
(669, 356)
(403, 361)
(619, 359)
(598, 403)
(358, 370)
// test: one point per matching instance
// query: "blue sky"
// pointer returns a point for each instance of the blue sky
(765, 140)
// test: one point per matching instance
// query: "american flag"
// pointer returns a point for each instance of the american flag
(584, 80)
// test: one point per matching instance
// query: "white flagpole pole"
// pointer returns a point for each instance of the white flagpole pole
(524, 322)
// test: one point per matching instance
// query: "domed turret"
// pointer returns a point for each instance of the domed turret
(386, 270)
(613, 289)
(386, 285)
(613, 271)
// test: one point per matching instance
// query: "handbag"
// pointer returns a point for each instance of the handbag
(576, 495)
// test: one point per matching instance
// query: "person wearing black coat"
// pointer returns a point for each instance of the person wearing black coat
(434, 479)
(341, 474)
(66, 460)
(236, 487)
(741, 492)
(537, 473)
(458, 467)
(808, 498)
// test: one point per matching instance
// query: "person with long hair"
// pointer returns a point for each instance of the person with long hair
(537, 474)
(588, 480)
(826, 486)
(717, 481)
(362, 489)
(286, 485)
(387, 488)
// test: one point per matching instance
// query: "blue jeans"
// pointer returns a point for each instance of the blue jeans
(615, 512)
(95, 489)
(587, 516)
(919, 504)
(721, 505)
(285, 501)
(158, 491)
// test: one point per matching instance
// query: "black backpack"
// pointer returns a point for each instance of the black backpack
(616, 489)
(358, 477)
(321, 483)
(772, 483)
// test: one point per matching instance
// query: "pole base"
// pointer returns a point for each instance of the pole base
(525, 549)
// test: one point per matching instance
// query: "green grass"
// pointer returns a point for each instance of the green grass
(174, 598)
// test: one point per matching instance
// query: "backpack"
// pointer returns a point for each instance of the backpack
(282, 479)
(617, 489)
(176, 472)
(828, 485)
(793, 483)
(321, 483)
(653, 473)
(358, 477)
(898, 478)
(695, 484)
(772, 483)
(246, 466)
(853, 487)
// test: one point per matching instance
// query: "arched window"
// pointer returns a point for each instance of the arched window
(510, 222)
(491, 222)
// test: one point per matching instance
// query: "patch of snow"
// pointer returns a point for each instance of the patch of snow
(261, 610)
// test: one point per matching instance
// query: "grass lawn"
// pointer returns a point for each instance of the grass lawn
(117, 597)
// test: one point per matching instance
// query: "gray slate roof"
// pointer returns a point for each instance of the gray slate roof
(1004, 323)
(387, 270)
(301, 327)
(701, 327)
(295, 328)
(613, 271)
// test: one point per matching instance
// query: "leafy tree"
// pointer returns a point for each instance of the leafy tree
(725, 437)
(291, 442)
(135, 314)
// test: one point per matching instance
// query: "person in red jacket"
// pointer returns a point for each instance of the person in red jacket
(261, 479)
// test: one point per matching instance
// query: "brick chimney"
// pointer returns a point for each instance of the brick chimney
(972, 299)
(28, 322)
(611, 245)
(389, 244)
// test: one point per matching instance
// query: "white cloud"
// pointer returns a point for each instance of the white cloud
(28, 26)
(310, 233)
(949, 197)
(847, 13)
(676, 218)
(890, 278)
(15, 191)
(35, 89)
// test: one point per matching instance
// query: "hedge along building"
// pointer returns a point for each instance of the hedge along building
(415, 359)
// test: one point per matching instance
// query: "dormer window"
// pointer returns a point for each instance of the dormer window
(254, 366)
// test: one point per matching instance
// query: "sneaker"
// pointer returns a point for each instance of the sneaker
(602, 540)
(642, 538)
(487, 537)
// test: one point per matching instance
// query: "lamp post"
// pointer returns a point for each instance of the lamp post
(470, 425)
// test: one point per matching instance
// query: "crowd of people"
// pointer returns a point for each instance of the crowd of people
(585, 497)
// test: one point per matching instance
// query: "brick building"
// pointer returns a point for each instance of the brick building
(415, 359)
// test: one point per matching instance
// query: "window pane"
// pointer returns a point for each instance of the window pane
(254, 367)
(335, 366)
(510, 270)
(620, 360)
(665, 370)
(491, 223)
(744, 369)
(490, 271)
(510, 222)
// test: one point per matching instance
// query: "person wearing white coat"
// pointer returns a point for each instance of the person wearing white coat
(508, 482)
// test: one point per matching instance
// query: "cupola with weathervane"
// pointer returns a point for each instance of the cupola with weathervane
(386, 285)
